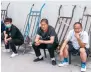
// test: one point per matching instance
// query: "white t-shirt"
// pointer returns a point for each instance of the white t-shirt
(83, 36)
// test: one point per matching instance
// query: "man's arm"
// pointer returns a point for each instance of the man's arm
(6, 35)
(5, 38)
(68, 37)
(8, 39)
(81, 44)
(37, 38)
(63, 45)
(4, 32)
(51, 41)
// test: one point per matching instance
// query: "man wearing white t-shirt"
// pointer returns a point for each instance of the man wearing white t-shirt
(77, 42)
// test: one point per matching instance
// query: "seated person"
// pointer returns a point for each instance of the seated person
(12, 37)
(46, 38)
(79, 43)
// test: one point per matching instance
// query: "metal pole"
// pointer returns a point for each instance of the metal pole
(83, 13)
(27, 24)
(90, 40)
(63, 30)
(69, 22)
(34, 26)
(58, 16)
(7, 9)
(60, 26)
(38, 22)
(89, 29)
(86, 23)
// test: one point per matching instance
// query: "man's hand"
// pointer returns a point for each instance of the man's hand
(6, 41)
(37, 43)
(41, 41)
(77, 35)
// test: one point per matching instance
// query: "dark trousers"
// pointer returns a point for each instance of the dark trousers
(50, 47)
(74, 51)
(13, 43)
(2, 36)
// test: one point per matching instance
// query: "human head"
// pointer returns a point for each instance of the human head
(44, 24)
(8, 22)
(77, 27)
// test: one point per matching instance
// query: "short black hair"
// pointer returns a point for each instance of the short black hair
(8, 20)
(78, 23)
(44, 20)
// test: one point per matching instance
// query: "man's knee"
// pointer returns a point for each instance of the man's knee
(82, 50)
(11, 41)
(50, 46)
(65, 48)
(54, 46)
(61, 54)
(33, 44)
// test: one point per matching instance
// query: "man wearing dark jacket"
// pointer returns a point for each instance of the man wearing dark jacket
(12, 37)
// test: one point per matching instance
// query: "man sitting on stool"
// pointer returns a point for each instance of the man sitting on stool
(46, 38)
(79, 43)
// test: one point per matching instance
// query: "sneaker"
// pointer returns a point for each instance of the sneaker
(6, 50)
(53, 62)
(13, 55)
(38, 59)
(63, 63)
(83, 67)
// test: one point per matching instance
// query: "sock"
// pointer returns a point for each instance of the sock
(40, 56)
(84, 63)
(52, 58)
(66, 59)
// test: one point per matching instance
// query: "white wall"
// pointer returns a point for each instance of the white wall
(18, 10)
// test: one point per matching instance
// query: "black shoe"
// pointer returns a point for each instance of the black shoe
(53, 62)
(38, 59)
